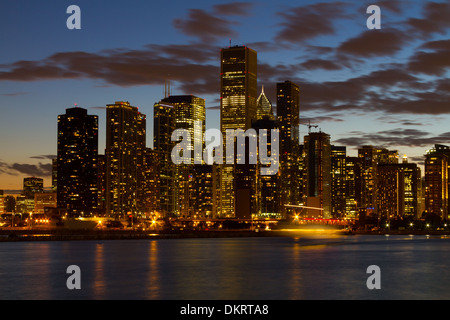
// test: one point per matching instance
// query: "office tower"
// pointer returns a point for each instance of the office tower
(125, 142)
(77, 162)
(54, 174)
(189, 114)
(101, 184)
(268, 191)
(317, 151)
(201, 186)
(288, 114)
(437, 165)
(288, 117)
(152, 182)
(264, 108)
(371, 157)
(238, 95)
(140, 161)
(398, 188)
(2, 203)
(43, 201)
(338, 181)
(163, 126)
(353, 169)
(31, 185)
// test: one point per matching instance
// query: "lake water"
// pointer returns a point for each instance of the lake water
(286, 268)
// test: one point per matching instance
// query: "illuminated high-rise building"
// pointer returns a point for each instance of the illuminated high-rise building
(288, 117)
(268, 191)
(77, 162)
(152, 184)
(372, 156)
(238, 108)
(317, 151)
(353, 169)
(189, 114)
(398, 189)
(338, 181)
(32, 185)
(163, 126)
(437, 167)
(125, 146)
(264, 108)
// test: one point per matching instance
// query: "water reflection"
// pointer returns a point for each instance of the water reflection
(99, 285)
(154, 271)
(297, 267)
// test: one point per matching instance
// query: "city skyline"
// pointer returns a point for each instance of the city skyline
(387, 87)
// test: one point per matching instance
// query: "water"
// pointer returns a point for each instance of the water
(288, 268)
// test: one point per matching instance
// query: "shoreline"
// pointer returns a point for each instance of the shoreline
(16, 235)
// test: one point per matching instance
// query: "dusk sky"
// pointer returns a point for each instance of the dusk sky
(388, 87)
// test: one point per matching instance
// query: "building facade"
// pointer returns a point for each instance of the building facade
(125, 147)
(77, 162)
(238, 109)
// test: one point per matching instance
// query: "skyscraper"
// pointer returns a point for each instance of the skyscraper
(338, 181)
(398, 188)
(77, 162)
(353, 168)
(317, 150)
(264, 108)
(238, 95)
(125, 147)
(189, 114)
(288, 117)
(163, 126)
(371, 157)
(437, 164)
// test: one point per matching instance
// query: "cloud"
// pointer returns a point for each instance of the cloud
(435, 20)
(394, 138)
(313, 64)
(233, 8)
(44, 157)
(13, 94)
(374, 43)
(149, 66)
(204, 25)
(433, 62)
(210, 26)
(307, 22)
(40, 170)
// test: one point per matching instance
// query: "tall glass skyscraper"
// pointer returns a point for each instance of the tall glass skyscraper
(188, 113)
(288, 117)
(77, 162)
(125, 147)
(238, 95)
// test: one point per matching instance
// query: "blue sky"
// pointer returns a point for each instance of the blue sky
(387, 87)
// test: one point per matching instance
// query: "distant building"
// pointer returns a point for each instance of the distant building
(43, 201)
(31, 185)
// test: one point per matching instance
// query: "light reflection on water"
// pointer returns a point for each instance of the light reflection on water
(313, 266)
